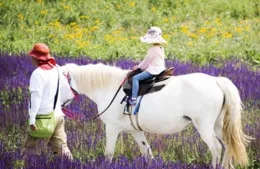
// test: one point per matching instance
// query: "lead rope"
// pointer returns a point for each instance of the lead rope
(110, 102)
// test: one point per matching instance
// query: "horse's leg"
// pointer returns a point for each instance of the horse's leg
(111, 138)
(227, 160)
(206, 130)
(143, 145)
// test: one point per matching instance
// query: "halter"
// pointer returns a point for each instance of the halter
(71, 88)
(67, 112)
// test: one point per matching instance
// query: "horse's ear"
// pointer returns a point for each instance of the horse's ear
(64, 69)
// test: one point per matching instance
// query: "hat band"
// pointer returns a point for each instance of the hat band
(38, 52)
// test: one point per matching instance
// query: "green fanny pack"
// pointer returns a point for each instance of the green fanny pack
(45, 125)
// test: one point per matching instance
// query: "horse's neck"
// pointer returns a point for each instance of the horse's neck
(100, 85)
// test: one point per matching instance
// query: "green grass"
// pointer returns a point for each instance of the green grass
(196, 30)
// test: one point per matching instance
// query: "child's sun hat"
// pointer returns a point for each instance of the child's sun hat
(153, 35)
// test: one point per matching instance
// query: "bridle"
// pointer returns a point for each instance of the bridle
(67, 112)
(70, 113)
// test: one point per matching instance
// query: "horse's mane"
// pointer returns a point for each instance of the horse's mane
(95, 76)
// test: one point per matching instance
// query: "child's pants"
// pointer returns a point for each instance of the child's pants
(139, 77)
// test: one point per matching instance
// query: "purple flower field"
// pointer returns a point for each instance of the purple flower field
(86, 139)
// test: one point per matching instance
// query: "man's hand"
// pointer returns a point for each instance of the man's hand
(33, 127)
(135, 67)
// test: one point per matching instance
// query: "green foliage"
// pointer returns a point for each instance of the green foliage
(200, 31)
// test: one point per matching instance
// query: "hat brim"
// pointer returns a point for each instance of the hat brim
(152, 40)
(40, 56)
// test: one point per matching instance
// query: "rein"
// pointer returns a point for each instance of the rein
(70, 113)
(110, 102)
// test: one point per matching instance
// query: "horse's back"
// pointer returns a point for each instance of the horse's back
(185, 99)
(200, 93)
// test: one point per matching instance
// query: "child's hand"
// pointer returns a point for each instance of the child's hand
(135, 67)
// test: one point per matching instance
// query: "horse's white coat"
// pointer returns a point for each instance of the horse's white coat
(197, 96)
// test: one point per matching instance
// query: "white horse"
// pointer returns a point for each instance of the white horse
(211, 104)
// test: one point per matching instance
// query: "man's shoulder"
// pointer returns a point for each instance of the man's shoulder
(39, 73)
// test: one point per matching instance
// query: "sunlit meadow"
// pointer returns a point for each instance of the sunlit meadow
(200, 31)
(217, 37)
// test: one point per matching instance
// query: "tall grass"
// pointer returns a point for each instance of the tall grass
(200, 31)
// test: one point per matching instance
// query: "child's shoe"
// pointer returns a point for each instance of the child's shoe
(132, 101)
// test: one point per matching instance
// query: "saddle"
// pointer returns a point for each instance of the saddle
(148, 85)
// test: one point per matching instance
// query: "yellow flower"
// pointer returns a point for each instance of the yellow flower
(109, 38)
(21, 17)
(153, 9)
(134, 37)
(184, 29)
(81, 44)
(217, 20)
(217, 41)
(73, 24)
(210, 34)
(85, 30)
(166, 36)
(78, 34)
(97, 21)
(123, 38)
(57, 24)
(66, 7)
(214, 30)
(193, 35)
(56, 41)
(39, 1)
(69, 36)
(116, 32)
(189, 43)
(202, 30)
(247, 27)
(1, 3)
(132, 4)
(227, 35)
(239, 29)
(165, 19)
(84, 17)
(118, 6)
(44, 12)
(94, 28)
(174, 18)
(36, 23)
(51, 36)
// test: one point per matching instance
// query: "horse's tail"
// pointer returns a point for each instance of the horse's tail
(233, 135)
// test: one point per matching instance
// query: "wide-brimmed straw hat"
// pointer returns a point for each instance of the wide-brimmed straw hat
(41, 52)
(153, 35)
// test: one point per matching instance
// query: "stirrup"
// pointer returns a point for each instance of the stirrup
(127, 110)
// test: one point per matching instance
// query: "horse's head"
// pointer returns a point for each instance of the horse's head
(67, 70)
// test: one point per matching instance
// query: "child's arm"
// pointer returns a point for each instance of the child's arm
(147, 60)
